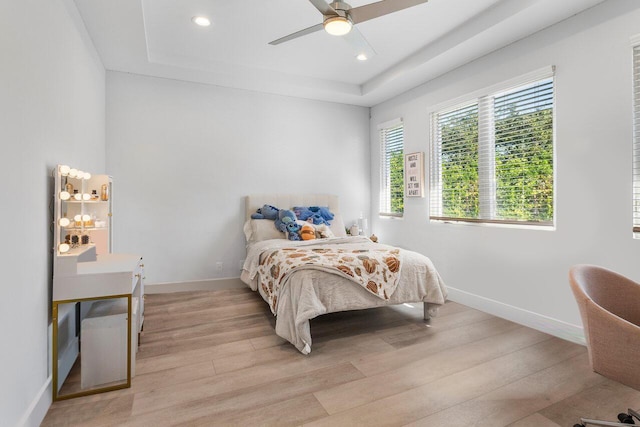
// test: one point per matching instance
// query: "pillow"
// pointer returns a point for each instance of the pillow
(257, 230)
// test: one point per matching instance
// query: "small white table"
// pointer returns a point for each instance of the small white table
(101, 277)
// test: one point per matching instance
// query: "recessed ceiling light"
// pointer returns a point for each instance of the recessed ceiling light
(202, 21)
(361, 57)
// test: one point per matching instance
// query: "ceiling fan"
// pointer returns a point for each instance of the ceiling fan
(339, 19)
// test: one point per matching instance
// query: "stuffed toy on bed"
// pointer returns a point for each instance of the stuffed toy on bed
(302, 213)
(266, 212)
(308, 232)
(323, 212)
(323, 231)
(293, 231)
(314, 214)
(285, 217)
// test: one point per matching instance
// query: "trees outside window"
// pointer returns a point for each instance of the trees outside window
(492, 158)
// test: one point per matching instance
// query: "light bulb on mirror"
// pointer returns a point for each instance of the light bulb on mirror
(77, 218)
(64, 170)
(80, 174)
(86, 196)
(73, 172)
(64, 222)
(64, 247)
(86, 217)
(64, 195)
(77, 196)
(87, 175)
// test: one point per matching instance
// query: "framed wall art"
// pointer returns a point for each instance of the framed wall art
(414, 174)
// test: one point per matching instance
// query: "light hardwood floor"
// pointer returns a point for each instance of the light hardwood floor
(212, 358)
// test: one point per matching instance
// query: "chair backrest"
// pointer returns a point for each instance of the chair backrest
(611, 291)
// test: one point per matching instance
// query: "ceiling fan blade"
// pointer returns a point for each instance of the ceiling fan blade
(297, 34)
(375, 10)
(359, 44)
(323, 7)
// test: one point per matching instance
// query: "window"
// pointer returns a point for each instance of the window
(392, 168)
(492, 158)
(636, 139)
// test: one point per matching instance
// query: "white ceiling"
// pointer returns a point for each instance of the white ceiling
(157, 38)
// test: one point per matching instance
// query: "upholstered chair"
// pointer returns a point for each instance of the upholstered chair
(610, 309)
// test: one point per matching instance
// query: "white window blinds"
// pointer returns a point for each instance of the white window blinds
(492, 158)
(454, 163)
(636, 139)
(392, 169)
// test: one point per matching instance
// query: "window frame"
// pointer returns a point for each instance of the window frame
(483, 100)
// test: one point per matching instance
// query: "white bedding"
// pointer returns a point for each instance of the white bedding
(309, 293)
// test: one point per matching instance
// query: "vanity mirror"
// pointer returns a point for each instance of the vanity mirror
(82, 211)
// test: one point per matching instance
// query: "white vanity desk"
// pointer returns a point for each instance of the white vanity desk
(83, 276)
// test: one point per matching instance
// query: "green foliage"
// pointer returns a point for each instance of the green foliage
(396, 178)
(524, 170)
(523, 166)
(460, 192)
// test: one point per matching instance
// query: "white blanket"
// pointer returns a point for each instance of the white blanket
(309, 293)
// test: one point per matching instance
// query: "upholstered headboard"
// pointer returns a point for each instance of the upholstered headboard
(287, 201)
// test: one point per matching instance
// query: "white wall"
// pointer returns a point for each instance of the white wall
(512, 271)
(184, 155)
(51, 111)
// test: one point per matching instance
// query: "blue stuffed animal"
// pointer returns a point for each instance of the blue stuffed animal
(285, 217)
(323, 212)
(266, 212)
(302, 212)
(316, 219)
(293, 231)
(315, 214)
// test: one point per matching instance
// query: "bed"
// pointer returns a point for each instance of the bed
(328, 275)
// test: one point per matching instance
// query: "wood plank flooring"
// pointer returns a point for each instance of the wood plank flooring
(212, 358)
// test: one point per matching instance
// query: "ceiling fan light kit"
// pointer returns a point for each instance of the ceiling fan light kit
(337, 25)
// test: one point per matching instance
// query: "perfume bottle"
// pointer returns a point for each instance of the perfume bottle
(104, 192)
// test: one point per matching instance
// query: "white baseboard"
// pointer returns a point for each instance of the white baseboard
(34, 416)
(196, 285)
(542, 323)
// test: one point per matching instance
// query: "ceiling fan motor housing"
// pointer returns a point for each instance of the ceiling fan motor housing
(341, 8)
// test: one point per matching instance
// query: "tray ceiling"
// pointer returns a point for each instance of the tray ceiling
(158, 38)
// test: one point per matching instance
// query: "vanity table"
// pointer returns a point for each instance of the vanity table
(98, 296)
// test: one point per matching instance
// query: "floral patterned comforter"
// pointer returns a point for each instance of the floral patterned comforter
(377, 270)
